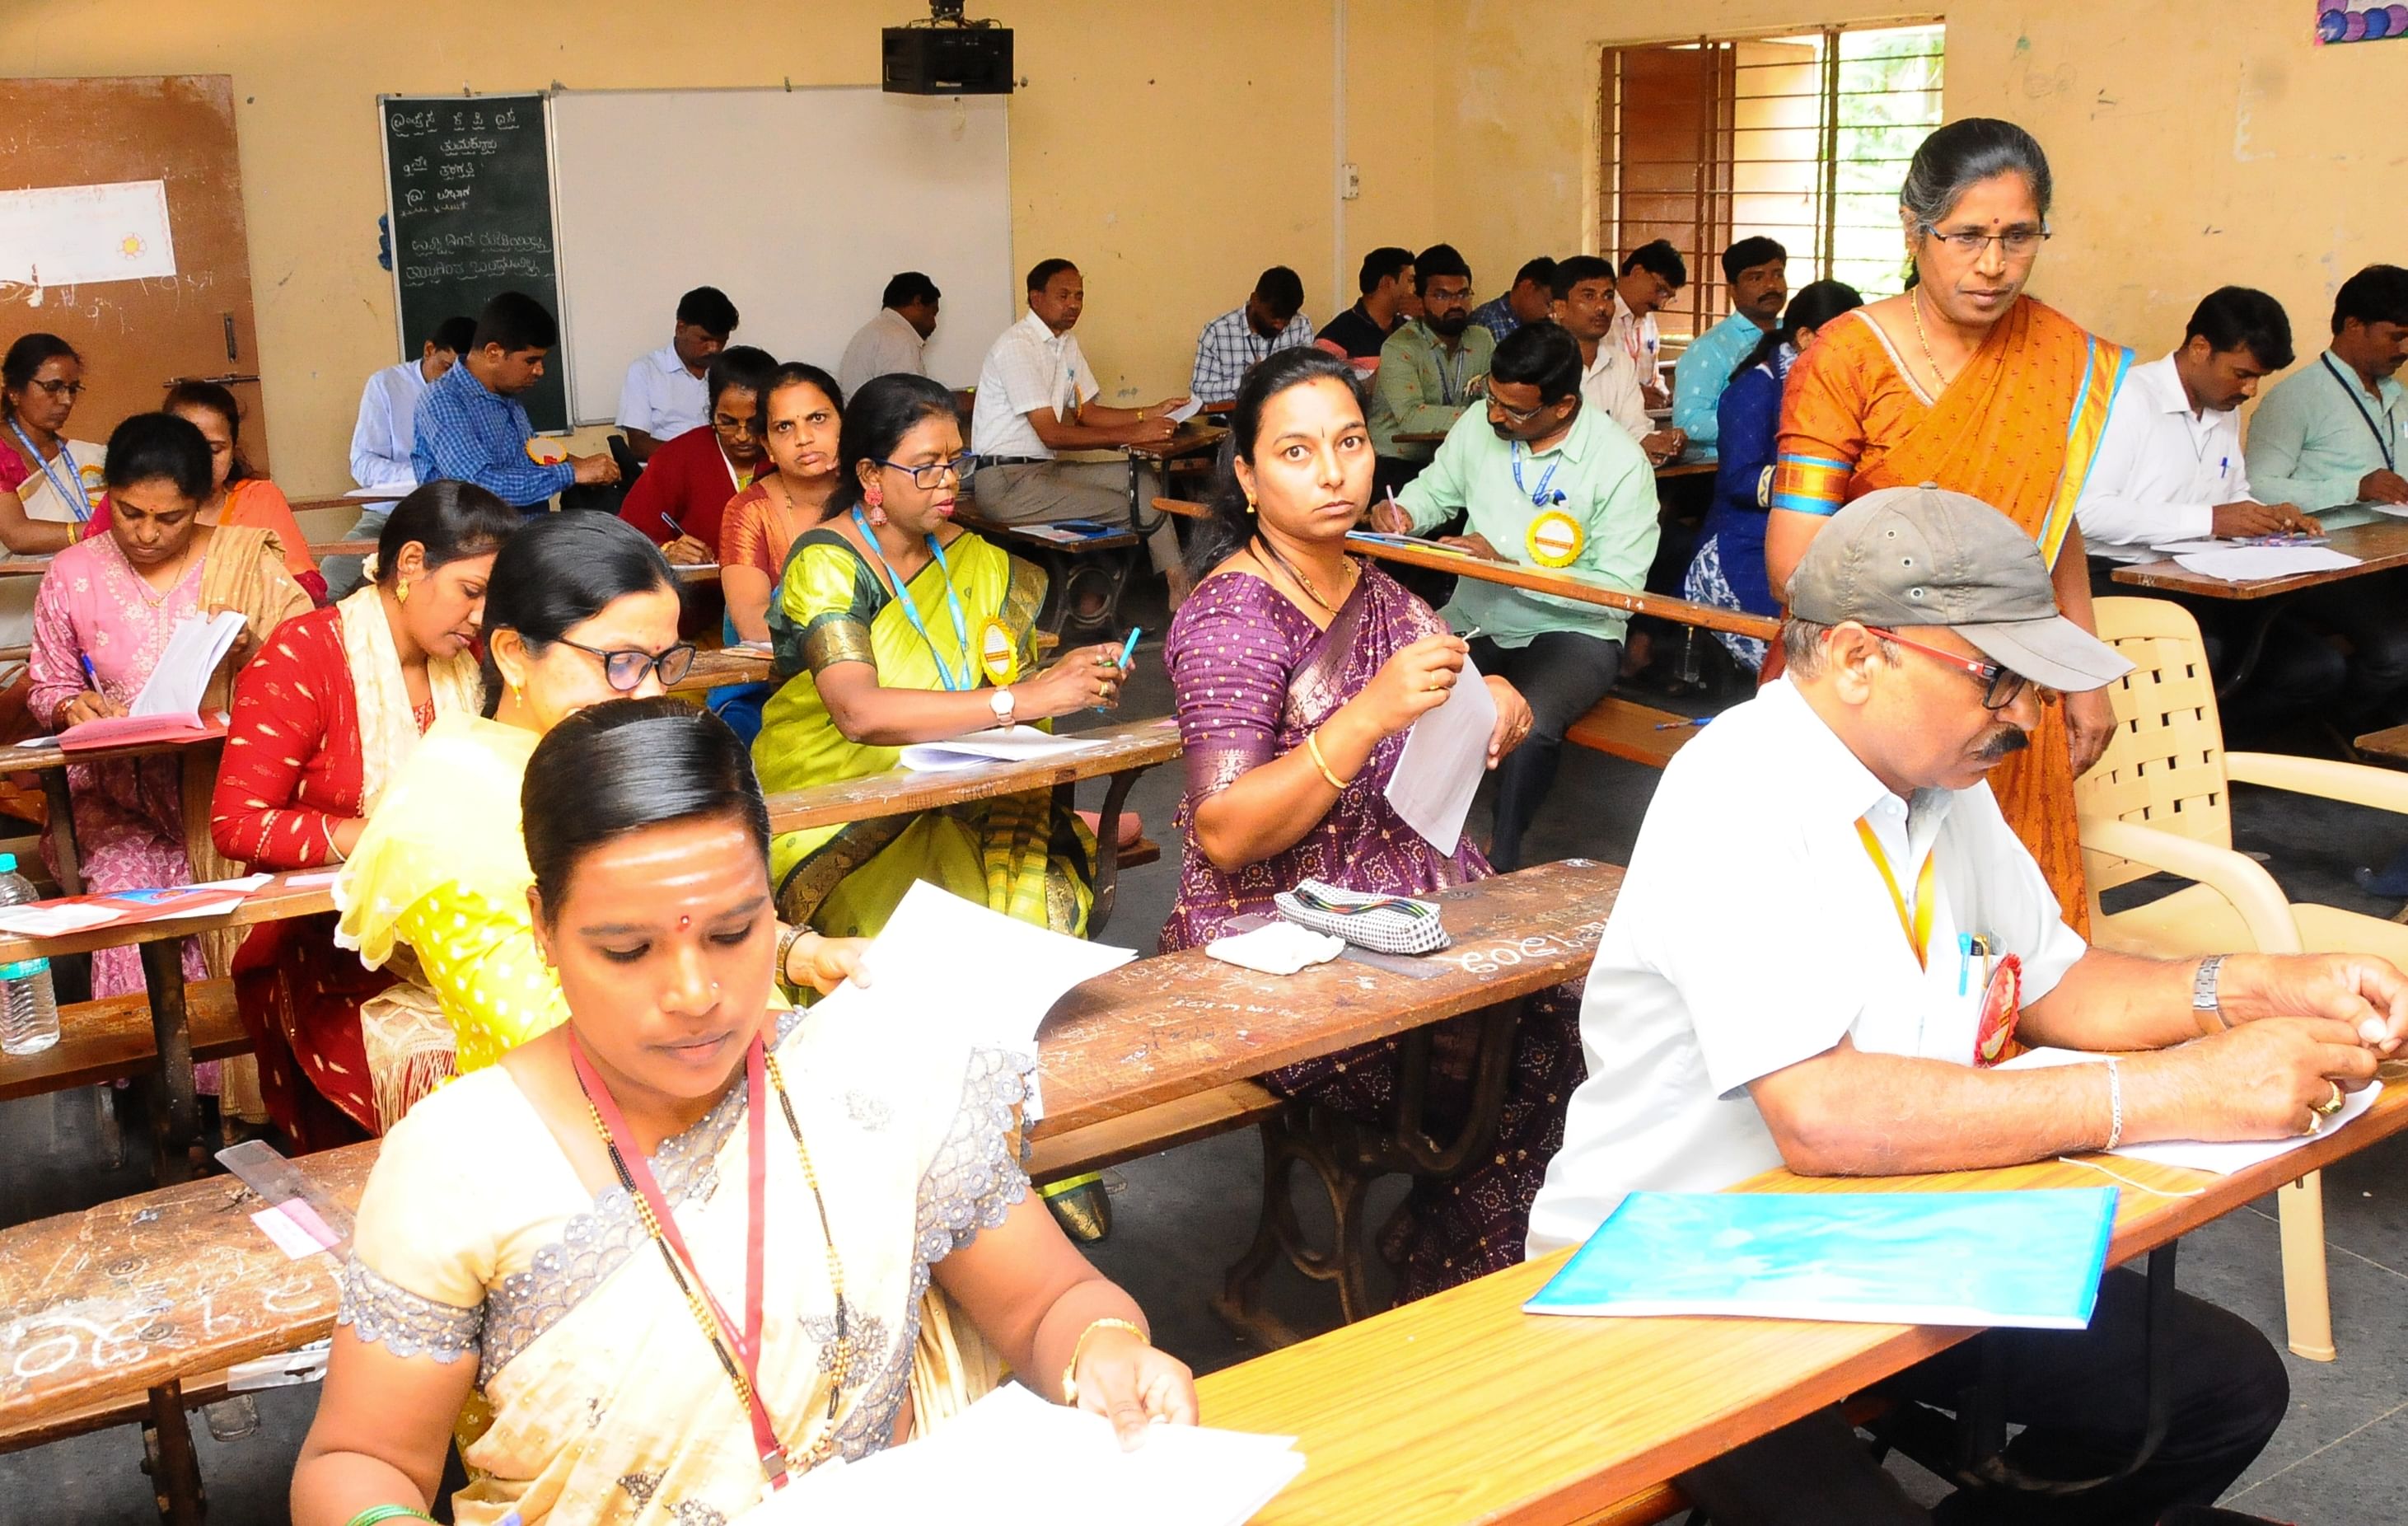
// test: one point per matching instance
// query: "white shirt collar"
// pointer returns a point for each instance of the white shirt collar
(665, 357)
(2162, 382)
(1831, 777)
(1039, 330)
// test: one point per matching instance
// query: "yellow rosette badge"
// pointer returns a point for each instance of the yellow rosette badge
(998, 653)
(1554, 539)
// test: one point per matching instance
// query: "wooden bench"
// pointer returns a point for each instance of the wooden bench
(1071, 567)
(112, 1039)
(1627, 729)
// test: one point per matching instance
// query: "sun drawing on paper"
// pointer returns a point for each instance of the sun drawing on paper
(132, 246)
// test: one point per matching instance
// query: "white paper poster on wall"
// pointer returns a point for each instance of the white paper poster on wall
(75, 234)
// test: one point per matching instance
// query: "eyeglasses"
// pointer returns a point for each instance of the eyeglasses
(936, 471)
(625, 670)
(2019, 243)
(1515, 416)
(61, 389)
(1438, 296)
(2000, 686)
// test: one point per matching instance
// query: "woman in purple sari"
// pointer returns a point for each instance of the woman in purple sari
(1298, 671)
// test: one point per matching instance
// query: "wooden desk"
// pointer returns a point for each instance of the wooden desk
(1462, 1408)
(138, 1295)
(49, 765)
(2379, 547)
(1194, 438)
(723, 665)
(2389, 745)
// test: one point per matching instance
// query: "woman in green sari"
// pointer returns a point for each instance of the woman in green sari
(892, 626)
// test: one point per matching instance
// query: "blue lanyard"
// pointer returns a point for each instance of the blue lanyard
(911, 610)
(79, 500)
(1538, 498)
(2382, 441)
(1448, 386)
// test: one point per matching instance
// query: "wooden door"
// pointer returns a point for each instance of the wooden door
(138, 336)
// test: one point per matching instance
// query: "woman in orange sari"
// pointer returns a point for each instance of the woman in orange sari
(1967, 383)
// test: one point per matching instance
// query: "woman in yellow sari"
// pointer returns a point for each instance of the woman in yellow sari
(688, 1245)
(896, 627)
(1967, 383)
(582, 608)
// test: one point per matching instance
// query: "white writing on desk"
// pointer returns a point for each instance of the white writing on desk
(1492, 959)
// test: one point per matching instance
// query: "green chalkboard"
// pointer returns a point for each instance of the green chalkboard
(469, 181)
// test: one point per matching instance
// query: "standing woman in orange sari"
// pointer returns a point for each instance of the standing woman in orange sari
(1968, 383)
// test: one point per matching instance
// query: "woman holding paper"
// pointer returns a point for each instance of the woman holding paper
(101, 621)
(897, 628)
(582, 608)
(1298, 671)
(677, 1164)
(323, 722)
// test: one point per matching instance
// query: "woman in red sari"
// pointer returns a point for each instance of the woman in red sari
(321, 720)
(1967, 383)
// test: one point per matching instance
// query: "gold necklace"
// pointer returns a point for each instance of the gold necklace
(1914, 301)
(1306, 583)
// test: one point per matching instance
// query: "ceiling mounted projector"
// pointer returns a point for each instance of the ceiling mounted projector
(946, 56)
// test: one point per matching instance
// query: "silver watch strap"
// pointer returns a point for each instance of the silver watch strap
(2204, 996)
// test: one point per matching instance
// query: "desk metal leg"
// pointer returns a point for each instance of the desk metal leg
(63, 838)
(2251, 652)
(1107, 852)
(175, 1110)
(168, 1457)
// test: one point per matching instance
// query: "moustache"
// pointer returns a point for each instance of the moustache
(2003, 743)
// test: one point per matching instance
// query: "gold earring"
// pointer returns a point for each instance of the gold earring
(401, 591)
(1250, 503)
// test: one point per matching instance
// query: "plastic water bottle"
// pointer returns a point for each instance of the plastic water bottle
(29, 1009)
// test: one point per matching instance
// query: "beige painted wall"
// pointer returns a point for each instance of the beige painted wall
(2194, 144)
(1172, 153)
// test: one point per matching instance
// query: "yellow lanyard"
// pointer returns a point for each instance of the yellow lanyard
(1916, 924)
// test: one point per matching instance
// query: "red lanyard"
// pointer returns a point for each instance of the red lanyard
(637, 1174)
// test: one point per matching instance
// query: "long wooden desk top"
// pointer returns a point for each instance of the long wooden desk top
(1460, 1408)
(102, 1305)
(723, 665)
(1193, 436)
(21, 758)
(2379, 547)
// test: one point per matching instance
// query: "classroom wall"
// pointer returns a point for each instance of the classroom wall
(2194, 144)
(1172, 153)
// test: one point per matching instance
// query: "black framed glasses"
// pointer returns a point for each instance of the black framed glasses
(934, 474)
(60, 389)
(2018, 243)
(624, 669)
(2000, 686)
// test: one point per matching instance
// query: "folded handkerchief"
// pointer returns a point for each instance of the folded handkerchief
(1276, 948)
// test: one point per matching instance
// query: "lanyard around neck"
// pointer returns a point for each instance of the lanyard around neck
(1449, 376)
(1539, 495)
(2382, 441)
(76, 500)
(911, 610)
(1916, 924)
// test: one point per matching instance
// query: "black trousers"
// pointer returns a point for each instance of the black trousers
(1561, 673)
(2079, 1396)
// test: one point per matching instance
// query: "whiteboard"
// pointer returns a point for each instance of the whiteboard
(798, 204)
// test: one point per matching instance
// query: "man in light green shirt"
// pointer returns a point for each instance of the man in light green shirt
(1430, 370)
(2336, 430)
(1539, 478)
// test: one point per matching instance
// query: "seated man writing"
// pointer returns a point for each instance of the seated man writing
(1829, 1035)
(471, 427)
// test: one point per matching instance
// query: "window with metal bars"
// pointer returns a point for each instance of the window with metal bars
(1802, 137)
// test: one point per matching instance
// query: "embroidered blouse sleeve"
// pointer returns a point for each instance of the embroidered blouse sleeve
(1822, 432)
(820, 601)
(57, 674)
(280, 721)
(972, 1178)
(1229, 672)
(421, 1254)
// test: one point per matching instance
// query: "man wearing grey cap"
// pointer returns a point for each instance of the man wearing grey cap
(1849, 1025)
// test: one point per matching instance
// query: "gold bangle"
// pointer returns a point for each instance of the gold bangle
(787, 941)
(1312, 745)
(1141, 415)
(1070, 1374)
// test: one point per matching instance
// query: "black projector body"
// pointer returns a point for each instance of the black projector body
(947, 61)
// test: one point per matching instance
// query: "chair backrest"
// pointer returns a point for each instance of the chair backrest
(2165, 765)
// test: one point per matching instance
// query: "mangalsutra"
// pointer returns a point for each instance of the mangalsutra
(1302, 580)
(1914, 301)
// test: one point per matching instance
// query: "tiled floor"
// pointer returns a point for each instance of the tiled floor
(2341, 1457)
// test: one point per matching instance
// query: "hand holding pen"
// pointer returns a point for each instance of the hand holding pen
(685, 551)
(92, 704)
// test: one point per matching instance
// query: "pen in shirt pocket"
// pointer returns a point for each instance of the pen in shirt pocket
(1968, 944)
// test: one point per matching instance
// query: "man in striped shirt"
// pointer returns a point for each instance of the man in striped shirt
(1273, 320)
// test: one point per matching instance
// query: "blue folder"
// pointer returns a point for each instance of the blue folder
(2030, 1258)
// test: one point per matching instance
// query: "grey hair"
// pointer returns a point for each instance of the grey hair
(1801, 647)
(1961, 155)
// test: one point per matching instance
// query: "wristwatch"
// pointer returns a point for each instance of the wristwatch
(2204, 1000)
(1000, 700)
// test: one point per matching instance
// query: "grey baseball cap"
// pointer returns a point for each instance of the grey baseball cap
(1926, 557)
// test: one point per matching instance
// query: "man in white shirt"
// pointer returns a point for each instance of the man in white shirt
(1037, 396)
(1610, 384)
(1651, 278)
(1829, 1034)
(664, 395)
(380, 440)
(895, 341)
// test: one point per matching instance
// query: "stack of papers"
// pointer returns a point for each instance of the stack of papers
(169, 706)
(1182, 1475)
(2242, 564)
(383, 490)
(1445, 754)
(1002, 744)
(79, 914)
(2222, 1156)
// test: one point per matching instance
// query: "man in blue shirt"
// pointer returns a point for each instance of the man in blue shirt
(1531, 297)
(1759, 272)
(470, 426)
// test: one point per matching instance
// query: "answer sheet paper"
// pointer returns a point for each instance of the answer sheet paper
(2240, 564)
(1445, 754)
(999, 745)
(2222, 1156)
(1182, 1475)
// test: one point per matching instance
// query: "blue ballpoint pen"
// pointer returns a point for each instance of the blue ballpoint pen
(91, 678)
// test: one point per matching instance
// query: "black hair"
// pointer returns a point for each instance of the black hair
(2242, 318)
(1810, 305)
(1750, 253)
(1573, 269)
(1544, 354)
(911, 287)
(625, 766)
(1044, 271)
(1963, 155)
(559, 570)
(456, 334)
(1231, 523)
(449, 521)
(149, 447)
(1381, 263)
(1280, 289)
(707, 308)
(1438, 260)
(885, 410)
(2376, 295)
(742, 366)
(1542, 270)
(516, 321)
(29, 355)
(1659, 258)
(211, 399)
